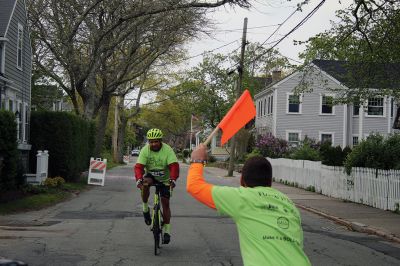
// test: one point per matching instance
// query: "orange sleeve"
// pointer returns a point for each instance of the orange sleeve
(197, 186)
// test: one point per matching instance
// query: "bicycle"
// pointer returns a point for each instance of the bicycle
(157, 217)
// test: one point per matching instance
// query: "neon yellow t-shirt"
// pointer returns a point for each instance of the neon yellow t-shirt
(156, 162)
(268, 223)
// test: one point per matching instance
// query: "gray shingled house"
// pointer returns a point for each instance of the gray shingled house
(16, 68)
(313, 114)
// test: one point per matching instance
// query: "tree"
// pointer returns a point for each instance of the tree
(98, 46)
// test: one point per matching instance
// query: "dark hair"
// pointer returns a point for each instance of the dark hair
(257, 171)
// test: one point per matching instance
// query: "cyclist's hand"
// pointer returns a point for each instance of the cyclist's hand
(139, 183)
(172, 183)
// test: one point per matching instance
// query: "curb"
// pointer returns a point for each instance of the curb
(354, 226)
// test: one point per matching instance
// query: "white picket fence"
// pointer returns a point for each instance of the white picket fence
(376, 188)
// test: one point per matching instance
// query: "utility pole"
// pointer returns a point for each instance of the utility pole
(238, 92)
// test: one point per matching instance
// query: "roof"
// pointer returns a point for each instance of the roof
(362, 75)
(6, 9)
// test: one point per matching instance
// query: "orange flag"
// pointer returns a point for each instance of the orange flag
(241, 112)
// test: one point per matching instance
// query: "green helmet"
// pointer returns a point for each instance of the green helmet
(154, 133)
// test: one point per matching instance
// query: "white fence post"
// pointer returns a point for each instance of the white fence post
(42, 159)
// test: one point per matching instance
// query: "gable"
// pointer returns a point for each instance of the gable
(6, 11)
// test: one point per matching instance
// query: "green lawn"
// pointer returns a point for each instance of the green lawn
(40, 197)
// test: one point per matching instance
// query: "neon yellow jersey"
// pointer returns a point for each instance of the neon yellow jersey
(268, 223)
(156, 162)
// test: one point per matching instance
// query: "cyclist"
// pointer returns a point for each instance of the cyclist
(268, 222)
(157, 162)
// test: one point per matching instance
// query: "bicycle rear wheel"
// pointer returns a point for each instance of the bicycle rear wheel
(156, 230)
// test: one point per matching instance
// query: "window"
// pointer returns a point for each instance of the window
(294, 105)
(293, 137)
(326, 104)
(26, 117)
(259, 109)
(265, 105)
(326, 137)
(355, 141)
(272, 101)
(19, 45)
(375, 106)
(391, 107)
(356, 108)
(10, 105)
(269, 105)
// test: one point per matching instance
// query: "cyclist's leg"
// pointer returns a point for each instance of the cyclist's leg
(147, 182)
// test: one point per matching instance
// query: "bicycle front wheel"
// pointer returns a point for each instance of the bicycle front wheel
(156, 230)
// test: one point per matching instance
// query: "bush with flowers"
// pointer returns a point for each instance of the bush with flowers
(57, 181)
(270, 146)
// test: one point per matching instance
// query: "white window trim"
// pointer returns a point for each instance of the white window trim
(20, 27)
(292, 131)
(384, 107)
(320, 103)
(352, 142)
(300, 103)
(327, 133)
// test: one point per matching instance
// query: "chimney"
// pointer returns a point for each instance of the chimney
(276, 75)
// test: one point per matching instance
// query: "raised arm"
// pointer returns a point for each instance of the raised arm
(196, 185)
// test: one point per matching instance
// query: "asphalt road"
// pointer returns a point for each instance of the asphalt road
(104, 226)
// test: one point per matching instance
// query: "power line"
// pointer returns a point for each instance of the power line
(206, 52)
(280, 25)
(292, 30)
(258, 27)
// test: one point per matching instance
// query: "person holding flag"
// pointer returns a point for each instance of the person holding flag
(268, 223)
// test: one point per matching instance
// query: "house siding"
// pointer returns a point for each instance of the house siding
(309, 122)
(18, 80)
(21, 78)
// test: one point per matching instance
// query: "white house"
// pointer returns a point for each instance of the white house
(312, 114)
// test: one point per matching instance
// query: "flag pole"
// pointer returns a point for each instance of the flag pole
(215, 131)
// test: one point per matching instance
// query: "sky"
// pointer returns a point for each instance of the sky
(263, 20)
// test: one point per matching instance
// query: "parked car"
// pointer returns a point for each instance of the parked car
(135, 152)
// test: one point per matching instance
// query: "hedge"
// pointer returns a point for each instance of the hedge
(8, 151)
(69, 140)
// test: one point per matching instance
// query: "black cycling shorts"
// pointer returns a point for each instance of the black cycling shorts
(164, 190)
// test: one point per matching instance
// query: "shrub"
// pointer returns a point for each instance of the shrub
(57, 181)
(391, 151)
(272, 147)
(8, 151)
(333, 156)
(68, 138)
(305, 152)
(368, 153)
(255, 152)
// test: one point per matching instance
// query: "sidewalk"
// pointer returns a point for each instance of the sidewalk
(356, 217)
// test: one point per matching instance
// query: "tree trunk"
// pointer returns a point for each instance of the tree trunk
(101, 126)
(121, 136)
